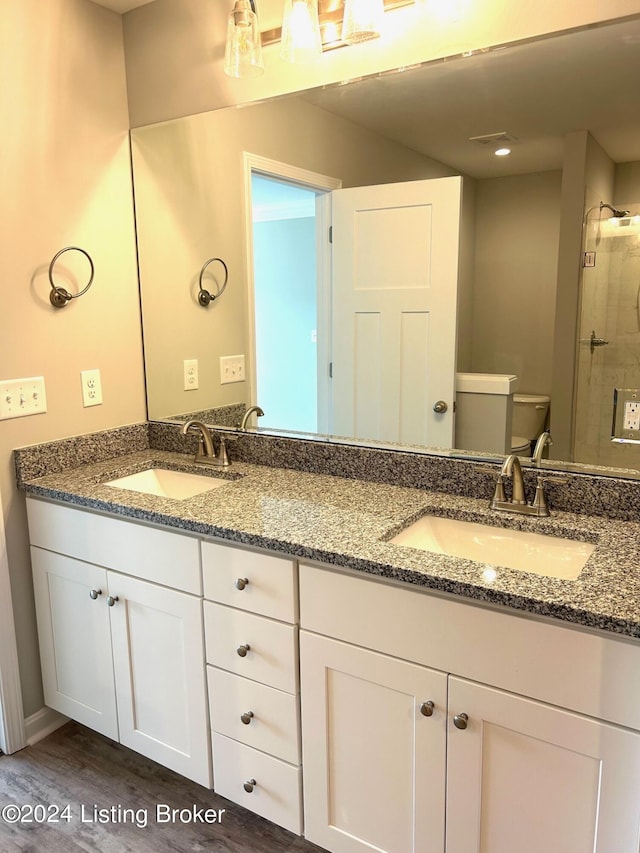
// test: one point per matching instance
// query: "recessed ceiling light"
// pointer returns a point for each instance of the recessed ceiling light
(502, 152)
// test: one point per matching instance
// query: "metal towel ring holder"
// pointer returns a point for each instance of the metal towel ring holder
(204, 297)
(59, 297)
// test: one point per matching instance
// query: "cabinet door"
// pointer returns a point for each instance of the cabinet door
(374, 763)
(75, 640)
(529, 777)
(158, 654)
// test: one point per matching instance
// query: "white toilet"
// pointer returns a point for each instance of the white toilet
(529, 420)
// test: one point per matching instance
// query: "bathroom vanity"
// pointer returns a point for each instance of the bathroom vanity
(267, 640)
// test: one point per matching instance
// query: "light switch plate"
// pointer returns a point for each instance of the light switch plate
(626, 415)
(231, 369)
(22, 397)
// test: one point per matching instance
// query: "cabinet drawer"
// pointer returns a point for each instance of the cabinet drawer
(272, 654)
(277, 791)
(167, 558)
(272, 716)
(272, 582)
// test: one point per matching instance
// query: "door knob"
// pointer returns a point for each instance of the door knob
(440, 407)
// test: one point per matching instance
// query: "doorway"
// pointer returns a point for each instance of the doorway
(287, 214)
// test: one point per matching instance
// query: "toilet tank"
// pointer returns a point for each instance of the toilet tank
(529, 415)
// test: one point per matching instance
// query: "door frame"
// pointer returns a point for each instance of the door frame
(12, 731)
(293, 174)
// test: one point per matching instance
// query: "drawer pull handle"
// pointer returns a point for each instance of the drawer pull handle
(111, 600)
(243, 649)
(94, 593)
(250, 785)
(426, 709)
(241, 583)
(460, 721)
(246, 717)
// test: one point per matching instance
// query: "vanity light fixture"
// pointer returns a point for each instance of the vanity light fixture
(340, 22)
(363, 20)
(301, 41)
(243, 50)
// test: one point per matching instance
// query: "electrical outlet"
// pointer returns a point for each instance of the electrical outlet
(190, 369)
(231, 369)
(21, 397)
(626, 415)
(91, 388)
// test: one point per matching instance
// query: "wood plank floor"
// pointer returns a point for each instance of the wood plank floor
(78, 767)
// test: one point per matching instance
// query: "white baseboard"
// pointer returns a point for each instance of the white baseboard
(42, 723)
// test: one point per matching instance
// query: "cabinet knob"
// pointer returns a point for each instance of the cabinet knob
(460, 721)
(249, 785)
(426, 709)
(246, 717)
(243, 649)
(111, 600)
(94, 593)
(241, 583)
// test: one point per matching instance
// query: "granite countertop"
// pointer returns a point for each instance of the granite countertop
(345, 522)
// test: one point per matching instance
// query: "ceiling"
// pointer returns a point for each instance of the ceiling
(121, 6)
(537, 92)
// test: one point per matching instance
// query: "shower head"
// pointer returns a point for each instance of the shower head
(619, 214)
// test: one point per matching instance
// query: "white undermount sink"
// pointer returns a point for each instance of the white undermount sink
(178, 485)
(550, 556)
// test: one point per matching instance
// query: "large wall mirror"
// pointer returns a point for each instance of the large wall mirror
(252, 185)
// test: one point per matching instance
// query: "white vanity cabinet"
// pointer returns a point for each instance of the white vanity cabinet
(251, 616)
(532, 762)
(119, 653)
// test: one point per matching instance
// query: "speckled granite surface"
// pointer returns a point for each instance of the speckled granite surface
(344, 522)
(608, 495)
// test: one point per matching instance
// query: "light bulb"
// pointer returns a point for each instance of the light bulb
(243, 51)
(301, 40)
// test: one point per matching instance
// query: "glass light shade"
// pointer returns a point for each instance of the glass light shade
(301, 40)
(243, 51)
(363, 20)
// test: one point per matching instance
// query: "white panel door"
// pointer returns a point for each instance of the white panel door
(158, 654)
(75, 639)
(374, 762)
(394, 299)
(528, 777)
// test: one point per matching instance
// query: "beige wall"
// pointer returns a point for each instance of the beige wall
(517, 226)
(65, 181)
(189, 180)
(175, 48)
(626, 190)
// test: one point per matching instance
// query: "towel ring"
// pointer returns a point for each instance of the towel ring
(204, 297)
(59, 296)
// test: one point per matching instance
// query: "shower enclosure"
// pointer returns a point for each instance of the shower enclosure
(609, 333)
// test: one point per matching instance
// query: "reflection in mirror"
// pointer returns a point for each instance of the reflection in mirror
(573, 124)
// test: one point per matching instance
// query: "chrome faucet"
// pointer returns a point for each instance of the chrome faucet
(250, 411)
(510, 468)
(544, 439)
(206, 455)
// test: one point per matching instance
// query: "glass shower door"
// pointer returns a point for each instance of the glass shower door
(609, 338)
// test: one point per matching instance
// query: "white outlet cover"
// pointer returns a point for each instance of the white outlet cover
(91, 388)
